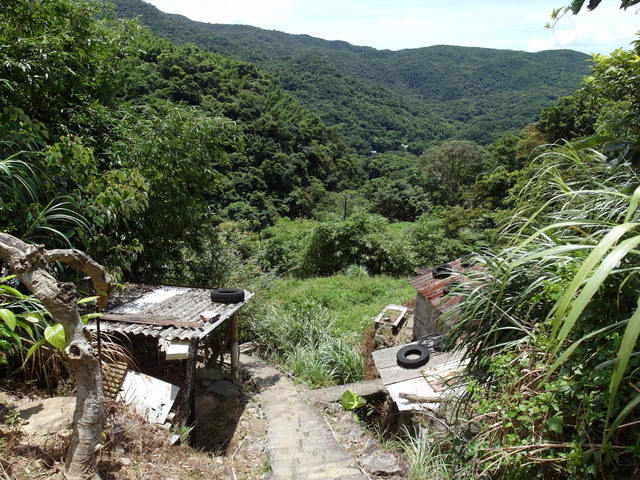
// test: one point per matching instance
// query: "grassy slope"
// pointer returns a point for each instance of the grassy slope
(354, 300)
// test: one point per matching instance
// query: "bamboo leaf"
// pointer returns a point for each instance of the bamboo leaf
(620, 418)
(569, 351)
(88, 299)
(629, 340)
(596, 277)
(32, 350)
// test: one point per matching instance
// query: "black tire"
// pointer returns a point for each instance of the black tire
(450, 287)
(441, 271)
(227, 295)
(469, 259)
(407, 358)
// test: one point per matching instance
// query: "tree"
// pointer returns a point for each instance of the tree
(57, 56)
(452, 165)
(30, 264)
(571, 117)
(576, 5)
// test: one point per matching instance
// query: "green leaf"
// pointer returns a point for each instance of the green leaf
(26, 327)
(621, 416)
(88, 316)
(32, 350)
(555, 424)
(33, 317)
(625, 351)
(351, 400)
(9, 318)
(88, 299)
(55, 336)
(576, 5)
(12, 291)
(588, 279)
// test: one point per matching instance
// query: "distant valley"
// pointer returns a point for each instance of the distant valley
(382, 99)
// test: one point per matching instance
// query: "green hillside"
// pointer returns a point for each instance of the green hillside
(385, 98)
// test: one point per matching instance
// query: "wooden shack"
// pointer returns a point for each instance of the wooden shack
(179, 320)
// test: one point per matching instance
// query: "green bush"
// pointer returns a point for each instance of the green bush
(362, 239)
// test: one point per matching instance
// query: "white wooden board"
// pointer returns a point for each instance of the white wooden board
(417, 387)
(150, 397)
(178, 350)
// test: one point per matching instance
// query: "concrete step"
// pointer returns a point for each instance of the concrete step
(301, 444)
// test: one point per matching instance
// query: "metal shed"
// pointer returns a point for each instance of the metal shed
(175, 313)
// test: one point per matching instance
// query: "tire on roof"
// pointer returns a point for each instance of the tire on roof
(227, 295)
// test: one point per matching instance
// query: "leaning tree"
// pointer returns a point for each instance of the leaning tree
(30, 263)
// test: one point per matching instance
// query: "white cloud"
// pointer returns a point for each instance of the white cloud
(249, 12)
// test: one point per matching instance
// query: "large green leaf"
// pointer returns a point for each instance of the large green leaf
(9, 318)
(55, 336)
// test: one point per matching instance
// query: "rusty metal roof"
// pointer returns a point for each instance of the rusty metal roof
(180, 309)
(433, 288)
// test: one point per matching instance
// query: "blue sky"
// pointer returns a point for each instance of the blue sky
(399, 24)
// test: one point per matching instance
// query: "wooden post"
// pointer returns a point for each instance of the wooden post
(189, 382)
(233, 340)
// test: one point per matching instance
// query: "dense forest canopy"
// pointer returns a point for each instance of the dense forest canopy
(381, 98)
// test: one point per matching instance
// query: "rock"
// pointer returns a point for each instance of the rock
(224, 388)
(381, 464)
(125, 461)
(258, 426)
(214, 374)
(50, 415)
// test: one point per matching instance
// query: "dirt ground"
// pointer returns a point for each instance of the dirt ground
(135, 449)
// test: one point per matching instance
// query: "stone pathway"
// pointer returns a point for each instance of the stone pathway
(301, 445)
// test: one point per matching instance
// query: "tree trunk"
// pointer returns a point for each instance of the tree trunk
(29, 263)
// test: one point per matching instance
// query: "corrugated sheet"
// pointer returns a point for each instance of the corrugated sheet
(184, 303)
(433, 288)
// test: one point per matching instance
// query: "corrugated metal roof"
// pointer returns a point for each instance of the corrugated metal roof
(185, 304)
(433, 288)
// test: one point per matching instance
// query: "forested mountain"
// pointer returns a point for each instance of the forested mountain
(384, 98)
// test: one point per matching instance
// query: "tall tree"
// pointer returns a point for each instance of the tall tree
(451, 166)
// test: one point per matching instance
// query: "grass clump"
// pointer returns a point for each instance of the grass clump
(302, 339)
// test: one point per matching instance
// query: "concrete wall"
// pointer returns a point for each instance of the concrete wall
(426, 318)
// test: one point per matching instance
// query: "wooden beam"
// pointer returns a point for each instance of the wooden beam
(186, 407)
(233, 341)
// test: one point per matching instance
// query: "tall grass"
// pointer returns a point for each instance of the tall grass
(429, 457)
(302, 339)
(354, 302)
(560, 303)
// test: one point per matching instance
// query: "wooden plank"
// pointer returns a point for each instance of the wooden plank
(390, 372)
(188, 397)
(148, 320)
(150, 397)
(399, 374)
(409, 394)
